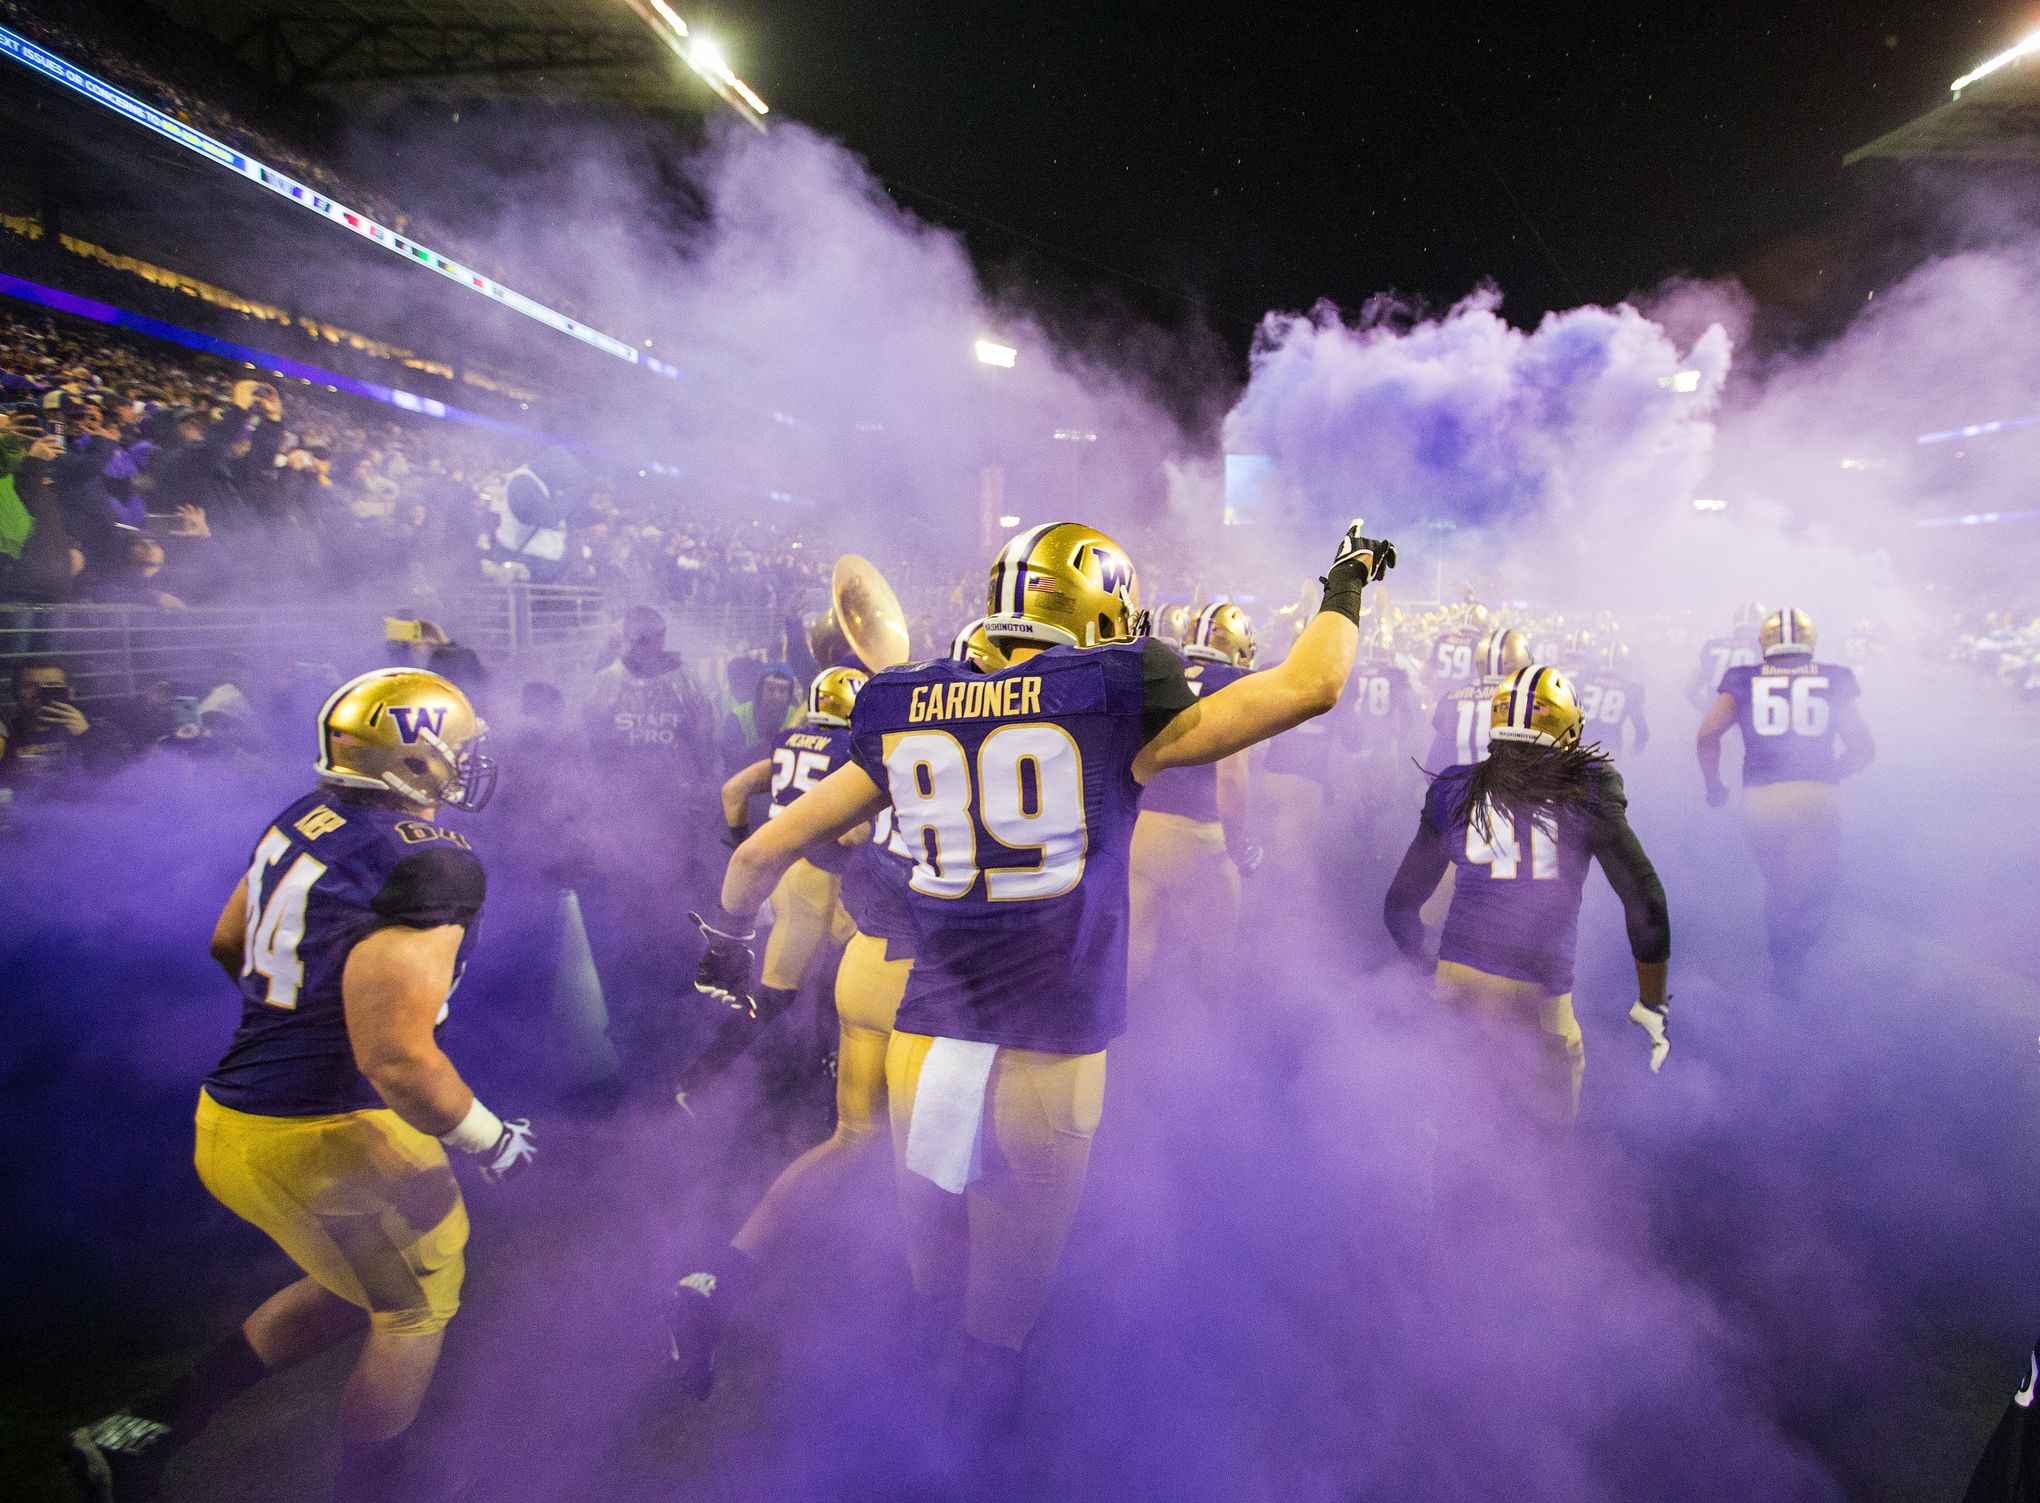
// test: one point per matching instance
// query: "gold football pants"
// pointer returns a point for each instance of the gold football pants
(868, 992)
(362, 1201)
(1795, 832)
(1508, 1002)
(996, 1245)
(1185, 893)
(804, 912)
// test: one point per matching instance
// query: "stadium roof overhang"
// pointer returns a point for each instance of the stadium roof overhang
(1994, 116)
(599, 46)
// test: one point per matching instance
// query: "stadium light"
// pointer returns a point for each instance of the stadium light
(1687, 382)
(990, 352)
(2004, 59)
(1709, 503)
(699, 51)
(1009, 522)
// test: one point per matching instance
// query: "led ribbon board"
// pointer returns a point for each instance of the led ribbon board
(49, 65)
(282, 365)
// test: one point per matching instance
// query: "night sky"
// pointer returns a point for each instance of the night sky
(1249, 157)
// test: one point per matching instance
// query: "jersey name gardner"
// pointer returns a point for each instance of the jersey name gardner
(1013, 795)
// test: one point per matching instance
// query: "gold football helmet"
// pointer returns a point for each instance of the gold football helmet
(1536, 705)
(1502, 652)
(831, 695)
(972, 646)
(1063, 584)
(1787, 633)
(1222, 633)
(409, 732)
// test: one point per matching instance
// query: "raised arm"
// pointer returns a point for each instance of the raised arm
(1306, 683)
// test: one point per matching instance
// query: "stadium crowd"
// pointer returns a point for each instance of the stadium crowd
(133, 477)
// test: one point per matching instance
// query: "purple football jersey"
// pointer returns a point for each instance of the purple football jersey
(802, 756)
(1193, 791)
(1013, 793)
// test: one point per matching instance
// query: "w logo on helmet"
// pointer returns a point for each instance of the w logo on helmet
(1115, 569)
(413, 720)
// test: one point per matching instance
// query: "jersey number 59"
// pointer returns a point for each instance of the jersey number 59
(1025, 793)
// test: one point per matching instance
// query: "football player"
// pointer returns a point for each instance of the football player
(1610, 697)
(1189, 844)
(1738, 649)
(1792, 711)
(1459, 721)
(1453, 655)
(1015, 794)
(1382, 710)
(326, 1124)
(805, 910)
(1519, 829)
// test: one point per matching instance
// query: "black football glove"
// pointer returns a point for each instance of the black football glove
(1359, 562)
(737, 834)
(725, 970)
(1248, 857)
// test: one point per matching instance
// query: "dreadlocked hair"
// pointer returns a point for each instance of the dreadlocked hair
(1521, 777)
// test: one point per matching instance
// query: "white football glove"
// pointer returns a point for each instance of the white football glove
(1652, 1020)
(514, 1148)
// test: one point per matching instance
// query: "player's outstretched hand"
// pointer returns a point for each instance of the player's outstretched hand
(513, 1150)
(725, 970)
(1652, 1020)
(1248, 857)
(1717, 795)
(1360, 559)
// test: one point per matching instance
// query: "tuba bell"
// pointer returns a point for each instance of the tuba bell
(864, 626)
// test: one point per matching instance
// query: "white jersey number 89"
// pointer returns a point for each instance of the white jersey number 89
(1026, 793)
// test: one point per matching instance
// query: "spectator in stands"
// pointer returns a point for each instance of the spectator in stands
(751, 724)
(44, 737)
(149, 576)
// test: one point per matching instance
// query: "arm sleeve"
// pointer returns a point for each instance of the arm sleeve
(1165, 691)
(1630, 873)
(1423, 864)
(441, 884)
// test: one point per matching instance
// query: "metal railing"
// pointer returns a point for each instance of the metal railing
(112, 651)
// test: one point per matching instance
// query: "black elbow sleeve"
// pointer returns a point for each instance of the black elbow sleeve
(1650, 920)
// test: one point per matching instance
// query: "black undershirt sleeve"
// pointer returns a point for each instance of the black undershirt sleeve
(441, 884)
(1165, 690)
(1423, 866)
(1635, 880)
